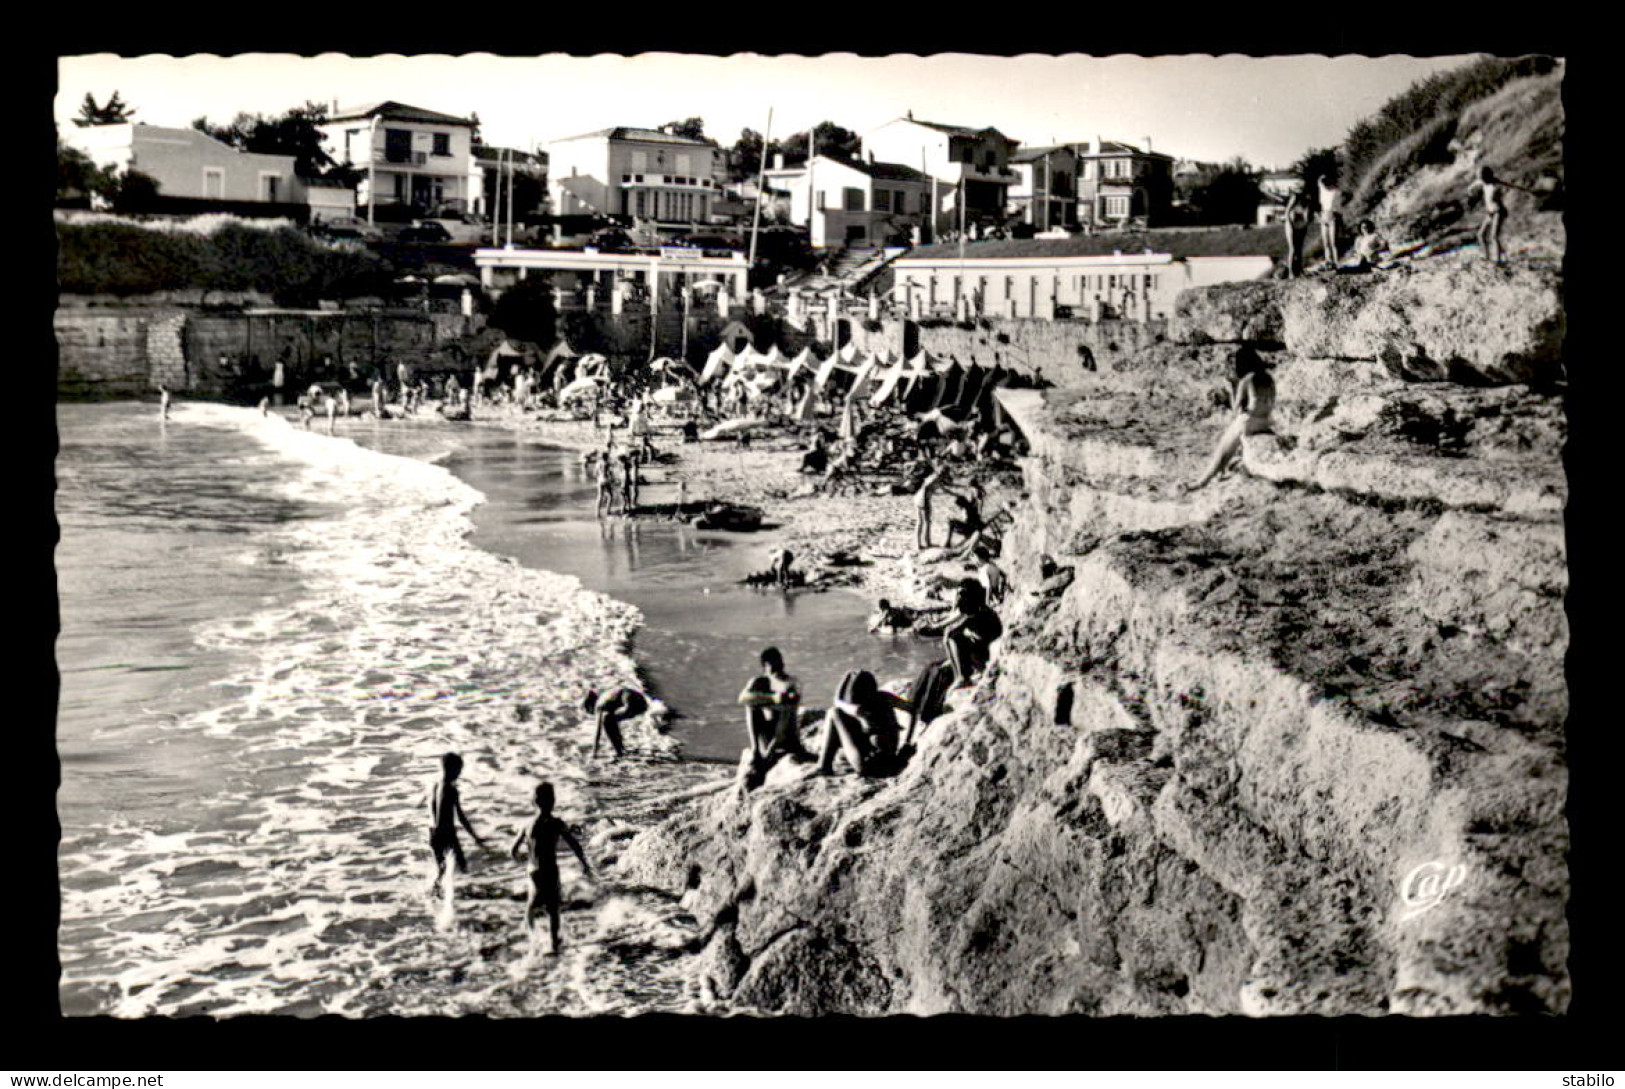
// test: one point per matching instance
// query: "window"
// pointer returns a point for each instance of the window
(882, 200)
(268, 187)
(852, 199)
(442, 144)
(820, 200)
(398, 145)
(1114, 207)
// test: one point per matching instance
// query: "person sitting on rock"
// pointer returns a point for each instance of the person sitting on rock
(971, 632)
(772, 703)
(1252, 401)
(991, 575)
(1053, 579)
(862, 724)
(969, 522)
(1369, 249)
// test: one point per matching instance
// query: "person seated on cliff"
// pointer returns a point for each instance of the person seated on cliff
(971, 632)
(991, 576)
(1252, 401)
(862, 725)
(1370, 251)
(613, 709)
(772, 702)
(969, 522)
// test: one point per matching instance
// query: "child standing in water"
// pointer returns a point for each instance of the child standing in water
(445, 810)
(538, 844)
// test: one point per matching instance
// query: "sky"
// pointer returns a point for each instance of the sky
(1267, 110)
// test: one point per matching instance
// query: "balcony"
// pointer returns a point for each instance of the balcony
(420, 160)
(998, 175)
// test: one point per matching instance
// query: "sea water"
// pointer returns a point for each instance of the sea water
(270, 635)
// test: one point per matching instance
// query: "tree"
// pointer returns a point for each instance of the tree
(1316, 163)
(525, 311)
(79, 178)
(115, 112)
(292, 133)
(745, 156)
(693, 128)
(136, 192)
(1231, 195)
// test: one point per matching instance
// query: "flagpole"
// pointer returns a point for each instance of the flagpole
(761, 177)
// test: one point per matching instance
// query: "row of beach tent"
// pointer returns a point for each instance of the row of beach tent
(919, 384)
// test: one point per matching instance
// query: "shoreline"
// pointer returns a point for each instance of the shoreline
(877, 528)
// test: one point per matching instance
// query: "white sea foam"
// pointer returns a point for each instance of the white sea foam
(302, 887)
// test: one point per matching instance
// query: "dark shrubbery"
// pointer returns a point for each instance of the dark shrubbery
(525, 312)
(119, 259)
(1423, 117)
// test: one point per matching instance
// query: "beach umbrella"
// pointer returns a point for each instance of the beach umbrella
(581, 387)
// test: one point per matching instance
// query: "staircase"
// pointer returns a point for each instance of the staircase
(850, 269)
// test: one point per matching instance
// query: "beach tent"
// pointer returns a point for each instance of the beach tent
(860, 384)
(825, 369)
(804, 360)
(772, 358)
(889, 383)
(948, 391)
(970, 391)
(808, 409)
(735, 337)
(561, 350)
(720, 361)
(849, 353)
(922, 394)
(849, 421)
(988, 402)
(749, 357)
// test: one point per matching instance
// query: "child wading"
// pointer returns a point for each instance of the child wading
(538, 844)
(445, 810)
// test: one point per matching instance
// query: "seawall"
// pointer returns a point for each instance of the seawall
(1291, 744)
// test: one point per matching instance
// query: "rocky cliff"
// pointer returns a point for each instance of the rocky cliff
(1289, 744)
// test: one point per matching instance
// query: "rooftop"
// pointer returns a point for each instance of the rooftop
(398, 111)
(1221, 242)
(627, 132)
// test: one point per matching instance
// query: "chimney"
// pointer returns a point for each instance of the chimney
(911, 115)
(1148, 145)
(778, 160)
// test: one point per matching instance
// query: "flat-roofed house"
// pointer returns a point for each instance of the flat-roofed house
(1096, 278)
(192, 166)
(655, 178)
(414, 161)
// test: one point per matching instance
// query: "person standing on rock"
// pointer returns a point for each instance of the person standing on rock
(1495, 212)
(1296, 223)
(1329, 197)
(1253, 400)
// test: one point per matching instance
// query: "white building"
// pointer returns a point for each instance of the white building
(853, 203)
(411, 157)
(975, 161)
(1049, 279)
(190, 165)
(652, 177)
